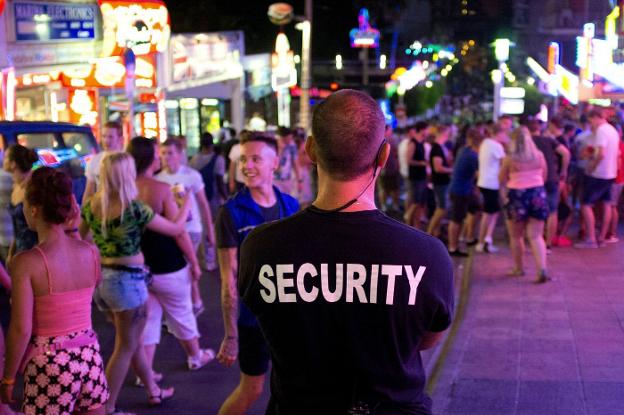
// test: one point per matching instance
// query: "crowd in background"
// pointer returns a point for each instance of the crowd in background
(151, 210)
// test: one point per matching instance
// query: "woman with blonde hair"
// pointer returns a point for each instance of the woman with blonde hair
(523, 173)
(116, 220)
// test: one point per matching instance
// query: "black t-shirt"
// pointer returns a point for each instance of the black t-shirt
(343, 300)
(227, 236)
(548, 147)
(418, 172)
(439, 178)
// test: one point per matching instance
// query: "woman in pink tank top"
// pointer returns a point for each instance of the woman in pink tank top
(50, 331)
(523, 174)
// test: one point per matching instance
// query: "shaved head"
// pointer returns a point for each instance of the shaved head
(348, 128)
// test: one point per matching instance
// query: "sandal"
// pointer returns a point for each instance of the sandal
(117, 411)
(163, 395)
(157, 378)
(515, 272)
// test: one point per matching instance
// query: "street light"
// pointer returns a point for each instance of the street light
(501, 51)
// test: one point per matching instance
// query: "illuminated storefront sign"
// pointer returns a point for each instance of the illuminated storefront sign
(82, 107)
(584, 52)
(47, 22)
(141, 26)
(567, 84)
(110, 73)
(283, 65)
(553, 57)
(364, 36)
(206, 56)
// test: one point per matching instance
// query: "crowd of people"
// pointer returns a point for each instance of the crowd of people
(539, 174)
(152, 221)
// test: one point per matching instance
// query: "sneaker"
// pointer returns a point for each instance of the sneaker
(480, 247)
(586, 245)
(612, 240)
(457, 253)
(490, 248)
(204, 357)
(542, 278)
(198, 309)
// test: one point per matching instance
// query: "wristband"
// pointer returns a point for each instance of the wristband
(6, 381)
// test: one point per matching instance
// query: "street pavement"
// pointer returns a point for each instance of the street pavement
(555, 348)
(516, 347)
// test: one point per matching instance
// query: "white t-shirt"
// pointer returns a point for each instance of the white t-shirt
(92, 171)
(234, 156)
(403, 163)
(607, 137)
(491, 152)
(193, 183)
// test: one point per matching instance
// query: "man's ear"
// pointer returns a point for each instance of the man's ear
(384, 154)
(310, 149)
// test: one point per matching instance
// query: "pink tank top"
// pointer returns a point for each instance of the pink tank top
(525, 174)
(61, 313)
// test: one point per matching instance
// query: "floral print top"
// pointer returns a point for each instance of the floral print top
(123, 234)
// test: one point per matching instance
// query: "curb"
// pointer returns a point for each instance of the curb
(434, 368)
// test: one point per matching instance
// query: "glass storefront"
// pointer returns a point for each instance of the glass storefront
(190, 118)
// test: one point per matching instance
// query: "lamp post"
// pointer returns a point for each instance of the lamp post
(501, 51)
(281, 14)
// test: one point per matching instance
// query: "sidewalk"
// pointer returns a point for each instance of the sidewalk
(555, 348)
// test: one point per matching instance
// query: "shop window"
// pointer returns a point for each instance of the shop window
(37, 140)
(80, 142)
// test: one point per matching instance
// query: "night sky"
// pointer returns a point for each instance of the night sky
(331, 23)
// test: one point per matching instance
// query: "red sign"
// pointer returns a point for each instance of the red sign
(111, 73)
(142, 26)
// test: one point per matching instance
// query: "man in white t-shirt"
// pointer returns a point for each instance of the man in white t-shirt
(112, 140)
(491, 154)
(174, 173)
(601, 152)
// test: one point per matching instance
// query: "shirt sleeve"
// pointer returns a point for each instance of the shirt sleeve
(499, 152)
(443, 293)
(90, 172)
(197, 183)
(227, 236)
(143, 214)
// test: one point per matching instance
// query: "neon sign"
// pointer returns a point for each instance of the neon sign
(568, 84)
(364, 36)
(143, 27)
(82, 107)
(283, 64)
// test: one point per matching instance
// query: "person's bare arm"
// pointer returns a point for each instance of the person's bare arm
(89, 191)
(503, 175)
(439, 167)
(5, 279)
(565, 160)
(228, 265)
(430, 338)
(596, 159)
(20, 329)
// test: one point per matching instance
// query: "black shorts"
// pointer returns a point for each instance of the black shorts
(253, 352)
(595, 190)
(461, 205)
(417, 191)
(491, 200)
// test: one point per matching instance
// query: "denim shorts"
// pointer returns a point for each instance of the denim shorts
(441, 195)
(121, 289)
(417, 191)
(596, 190)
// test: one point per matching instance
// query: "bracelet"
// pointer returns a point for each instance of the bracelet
(6, 381)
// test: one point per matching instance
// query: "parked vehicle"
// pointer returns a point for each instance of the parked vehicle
(60, 145)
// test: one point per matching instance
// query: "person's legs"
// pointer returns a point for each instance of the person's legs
(516, 242)
(607, 212)
(453, 236)
(127, 337)
(590, 222)
(4, 409)
(198, 304)
(436, 220)
(535, 231)
(153, 325)
(246, 393)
